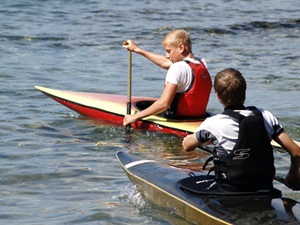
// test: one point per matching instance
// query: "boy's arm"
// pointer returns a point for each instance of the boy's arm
(158, 106)
(190, 142)
(292, 179)
(157, 59)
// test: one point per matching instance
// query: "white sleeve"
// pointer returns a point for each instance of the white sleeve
(173, 74)
(180, 73)
(271, 123)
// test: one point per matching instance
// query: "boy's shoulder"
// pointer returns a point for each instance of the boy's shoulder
(216, 121)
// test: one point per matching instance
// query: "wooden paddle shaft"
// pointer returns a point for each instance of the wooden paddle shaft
(129, 82)
(128, 108)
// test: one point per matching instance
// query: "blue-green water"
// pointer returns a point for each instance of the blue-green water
(59, 168)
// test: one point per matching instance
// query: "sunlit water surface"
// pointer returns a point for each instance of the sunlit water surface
(57, 167)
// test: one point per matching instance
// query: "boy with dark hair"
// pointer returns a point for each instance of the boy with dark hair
(243, 156)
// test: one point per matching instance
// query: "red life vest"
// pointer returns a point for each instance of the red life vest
(193, 102)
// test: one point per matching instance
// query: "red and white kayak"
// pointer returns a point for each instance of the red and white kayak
(112, 108)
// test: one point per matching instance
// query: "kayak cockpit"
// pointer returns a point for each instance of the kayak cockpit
(142, 105)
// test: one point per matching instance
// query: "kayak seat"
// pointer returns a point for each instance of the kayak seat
(144, 104)
(205, 185)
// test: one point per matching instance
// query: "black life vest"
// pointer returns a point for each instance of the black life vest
(250, 164)
(249, 168)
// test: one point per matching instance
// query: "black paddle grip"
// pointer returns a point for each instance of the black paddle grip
(128, 108)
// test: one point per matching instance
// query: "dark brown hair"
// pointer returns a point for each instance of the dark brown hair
(230, 86)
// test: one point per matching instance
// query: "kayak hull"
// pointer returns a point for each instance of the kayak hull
(159, 183)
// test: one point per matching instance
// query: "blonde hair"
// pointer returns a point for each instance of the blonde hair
(230, 86)
(177, 37)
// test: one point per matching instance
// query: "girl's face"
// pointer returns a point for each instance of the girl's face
(174, 54)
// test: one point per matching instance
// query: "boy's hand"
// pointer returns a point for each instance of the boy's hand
(292, 181)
